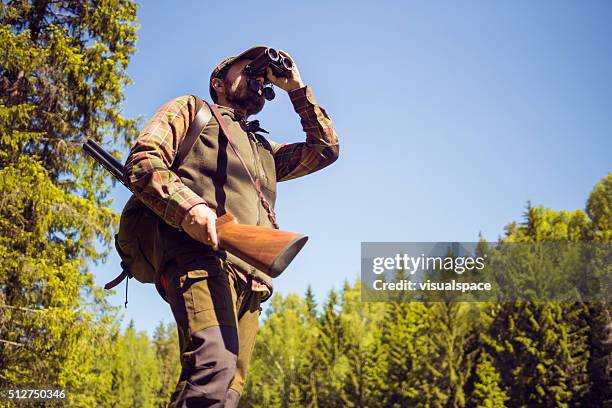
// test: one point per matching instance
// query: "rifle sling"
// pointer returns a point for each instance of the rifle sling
(256, 183)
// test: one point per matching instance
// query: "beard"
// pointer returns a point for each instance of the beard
(243, 98)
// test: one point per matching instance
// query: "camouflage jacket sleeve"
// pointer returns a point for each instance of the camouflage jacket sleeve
(321, 147)
(148, 166)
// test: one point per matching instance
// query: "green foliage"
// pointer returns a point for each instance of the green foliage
(165, 340)
(599, 209)
(362, 325)
(452, 338)
(544, 350)
(540, 351)
(137, 369)
(396, 354)
(330, 359)
(282, 358)
(405, 350)
(62, 74)
(488, 392)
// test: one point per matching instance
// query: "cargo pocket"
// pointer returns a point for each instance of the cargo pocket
(207, 285)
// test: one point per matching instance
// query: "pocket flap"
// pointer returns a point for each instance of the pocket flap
(203, 268)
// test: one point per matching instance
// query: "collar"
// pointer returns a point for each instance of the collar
(231, 112)
(249, 126)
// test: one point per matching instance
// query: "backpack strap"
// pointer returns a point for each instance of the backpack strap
(202, 117)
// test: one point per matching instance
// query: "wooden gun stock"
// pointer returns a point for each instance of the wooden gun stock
(267, 249)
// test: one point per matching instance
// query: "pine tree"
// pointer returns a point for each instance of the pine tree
(453, 328)
(278, 375)
(62, 71)
(599, 211)
(452, 341)
(330, 361)
(488, 392)
(311, 304)
(406, 350)
(165, 340)
(306, 380)
(139, 371)
(541, 349)
(362, 323)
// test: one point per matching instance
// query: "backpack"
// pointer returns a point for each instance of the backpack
(136, 241)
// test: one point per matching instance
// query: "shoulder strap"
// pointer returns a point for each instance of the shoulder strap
(264, 202)
(202, 117)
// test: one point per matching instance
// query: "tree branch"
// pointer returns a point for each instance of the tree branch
(25, 309)
(12, 343)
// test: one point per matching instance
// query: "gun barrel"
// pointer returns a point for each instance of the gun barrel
(114, 167)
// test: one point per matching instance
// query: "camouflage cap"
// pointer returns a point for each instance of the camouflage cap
(251, 53)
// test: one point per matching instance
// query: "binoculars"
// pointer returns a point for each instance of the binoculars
(280, 65)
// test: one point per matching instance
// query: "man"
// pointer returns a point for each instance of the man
(215, 297)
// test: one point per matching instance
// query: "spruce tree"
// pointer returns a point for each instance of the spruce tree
(540, 348)
(452, 340)
(306, 381)
(406, 352)
(453, 328)
(488, 392)
(330, 361)
(362, 323)
(62, 72)
(140, 371)
(311, 303)
(278, 374)
(599, 211)
(165, 341)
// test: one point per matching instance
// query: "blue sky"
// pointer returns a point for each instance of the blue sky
(451, 115)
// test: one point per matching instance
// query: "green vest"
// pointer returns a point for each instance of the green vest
(213, 171)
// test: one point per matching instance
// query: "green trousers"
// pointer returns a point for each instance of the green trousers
(217, 316)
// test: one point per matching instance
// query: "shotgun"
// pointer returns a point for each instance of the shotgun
(267, 249)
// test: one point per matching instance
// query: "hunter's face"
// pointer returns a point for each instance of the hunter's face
(238, 92)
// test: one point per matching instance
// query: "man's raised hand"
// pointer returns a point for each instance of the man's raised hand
(289, 83)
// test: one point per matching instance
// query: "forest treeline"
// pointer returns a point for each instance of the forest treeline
(62, 74)
(343, 352)
(350, 353)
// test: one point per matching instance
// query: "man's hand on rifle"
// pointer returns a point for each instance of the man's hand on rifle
(293, 81)
(199, 224)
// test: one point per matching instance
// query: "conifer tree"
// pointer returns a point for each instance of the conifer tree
(453, 328)
(488, 392)
(165, 341)
(540, 349)
(279, 374)
(306, 382)
(365, 381)
(599, 211)
(311, 303)
(406, 350)
(330, 361)
(62, 71)
(452, 341)
(140, 379)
